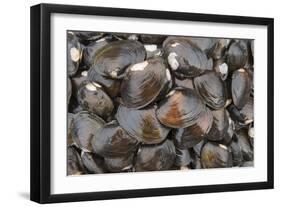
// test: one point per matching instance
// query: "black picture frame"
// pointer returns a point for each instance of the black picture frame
(41, 96)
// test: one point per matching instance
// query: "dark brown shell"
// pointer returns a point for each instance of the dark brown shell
(215, 156)
(111, 86)
(236, 55)
(156, 157)
(220, 125)
(143, 82)
(183, 157)
(77, 80)
(142, 124)
(181, 108)
(244, 143)
(214, 48)
(248, 110)
(192, 135)
(240, 88)
(93, 163)
(119, 164)
(112, 60)
(92, 98)
(205, 44)
(112, 141)
(185, 58)
(85, 127)
(74, 54)
(212, 89)
(91, 50)
(74, 162)
(236, 152)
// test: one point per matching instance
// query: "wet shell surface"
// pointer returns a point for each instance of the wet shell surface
(145, 102)
(119, 164)
(112, 60)
(112, 141)
(74, 54)
(85, 127)
(220, 125)
(74, 162)
(236, 55)
(156, 157)
(212, 89)
(93, 163)
(240, 88)
(190, 136)
(142, 124)
(143, 82)
(215, 155)
(110, 86)
(181, 108)
(185, 58)
(93, 98)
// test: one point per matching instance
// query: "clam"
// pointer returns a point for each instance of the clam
(112, 141)
(74, 53)
(183, 157)
(143, 82)
(112, 60)
(244, 143)
(236, 152)
(240, 88)
(93, 163)
(119, 164)
(85, 127)
(76, 80)
(198, 147)
(220, 125)
(230, 131)
(156, 157)
(181, 108)
(212, 89)
(185, 58)
(215, 155)
(92, 98)
(90, 51)
(248, 111)
(235, 113)
(111, 86)
(192, 135)
(205, 44)
(196, 163)
(218, 51)
(236, 56)
(74, 162)
(142, 124)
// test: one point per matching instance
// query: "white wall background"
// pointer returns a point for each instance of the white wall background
(14, 103)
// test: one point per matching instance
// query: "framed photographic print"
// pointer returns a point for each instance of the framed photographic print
(133, 103)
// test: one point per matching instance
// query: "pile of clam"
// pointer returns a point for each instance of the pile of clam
(151, 102)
